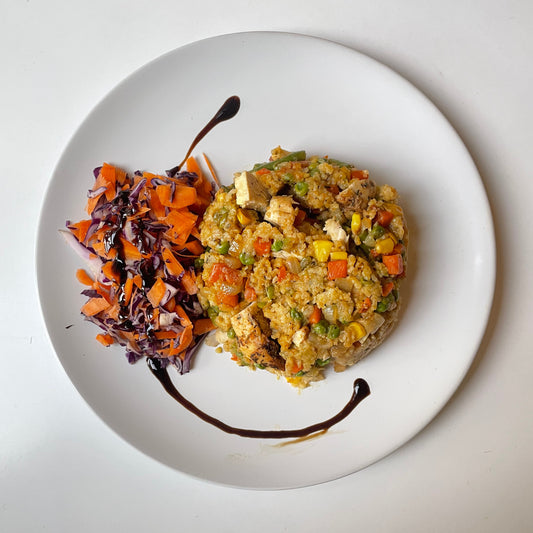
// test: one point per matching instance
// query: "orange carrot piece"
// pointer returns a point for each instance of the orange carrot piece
(131, 252)
(203, 325)
(83, 277)
(282, 273)
(156, 293)
(128, 290)
(185, 341)
(173, 266)
(337, 269)
(195, 247)
(230, 300)
(110, 273)
(171, 305)
(249, 294)
(394, 264)
(387, 288)
(94, 306)
(316, 316)
(193, 166)
(109, 175)
(105, 339)
(212, 170)
(184, 317)
(158, 209)
(161, 335)
(189, 283)
(79, 230)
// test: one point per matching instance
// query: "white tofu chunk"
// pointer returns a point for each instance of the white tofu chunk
(280, 211)
(250, 192)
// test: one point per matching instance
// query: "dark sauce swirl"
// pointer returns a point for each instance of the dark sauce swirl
(360, 391)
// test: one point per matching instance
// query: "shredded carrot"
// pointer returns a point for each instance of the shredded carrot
(212, 170)
(94, 306)
(189, 283)
(110, 273)
(105, 339)
(203, 325)
(128, 290)
(174, 267)
(195, 247)
(157, 292)
(83, 277)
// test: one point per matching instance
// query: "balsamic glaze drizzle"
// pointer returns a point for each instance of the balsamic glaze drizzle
(228, 110)
(360, 391)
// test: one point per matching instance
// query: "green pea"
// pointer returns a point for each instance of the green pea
(385, 303)
(323, 362)
(223, 247)
(213, 312)
(288, 177)
(246, 258)
(333, 331)
(198, 263)
(301, 188)
(260, 366)
(295, 314)
(231, 333)
(271, 291)
(277, 246)
(321, 328)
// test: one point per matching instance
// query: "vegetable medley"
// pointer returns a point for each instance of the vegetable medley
(303, 261)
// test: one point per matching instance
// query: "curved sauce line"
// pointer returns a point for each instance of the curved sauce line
(361, 390)
(228, 110)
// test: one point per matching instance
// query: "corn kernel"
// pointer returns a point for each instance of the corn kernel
(358, 329)
(337, 256)
(356, 223)
(322, 249)
(243, 217)
(384, 246)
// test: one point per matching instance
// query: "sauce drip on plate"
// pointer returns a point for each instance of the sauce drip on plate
(228, 110)
(360, 391)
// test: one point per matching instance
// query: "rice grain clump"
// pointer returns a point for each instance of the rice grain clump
(303, 261)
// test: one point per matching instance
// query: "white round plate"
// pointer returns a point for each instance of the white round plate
(301, 93)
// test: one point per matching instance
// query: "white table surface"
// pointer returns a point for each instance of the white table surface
(471, 469)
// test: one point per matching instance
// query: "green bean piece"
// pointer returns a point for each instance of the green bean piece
(296, 315)
(377, 231)
(246, 258)
(300, 374)
(272, 165)
(338, 163)
(323, 362)
(260, 366)
(333, 331)
(277, 246)
(301, 188)
(223, 247)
